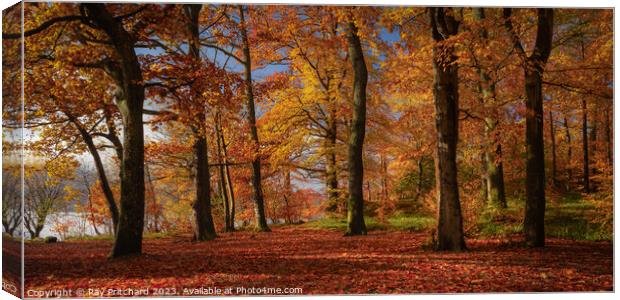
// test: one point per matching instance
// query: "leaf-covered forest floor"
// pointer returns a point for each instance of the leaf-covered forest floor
(322, 261)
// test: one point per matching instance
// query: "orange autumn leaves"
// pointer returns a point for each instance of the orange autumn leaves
(322, 262)
(298, 103)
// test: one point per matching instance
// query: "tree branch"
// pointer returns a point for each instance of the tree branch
(45, 25)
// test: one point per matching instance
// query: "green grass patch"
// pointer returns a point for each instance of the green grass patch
(399, 222)
(495, 222)
(102, 237)
(573, 217)
(411, 223)
(570, 217)
(327, 223)
(341, 224)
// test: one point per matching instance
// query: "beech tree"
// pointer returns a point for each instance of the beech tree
(259, 209)
(128, 76)
(205, 230)
(233, 30)
(494, 167)
(533, 66)
(355, 203)
(131, 220)
(201, 119)
(445, 91)
(308, 112)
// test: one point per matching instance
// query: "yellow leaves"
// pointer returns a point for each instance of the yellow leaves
(61, 168)
(159, 67)
(71, 193)
(39, 113)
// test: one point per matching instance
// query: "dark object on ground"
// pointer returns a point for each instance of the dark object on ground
(51, 239)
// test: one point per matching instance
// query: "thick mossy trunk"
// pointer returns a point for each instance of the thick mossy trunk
(355, 203)
(494, 192)
(446, 98)
(131, 220)
(259, 203)
(331, 177)
(494, 167)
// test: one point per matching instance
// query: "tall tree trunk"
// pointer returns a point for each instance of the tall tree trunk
(259, 205)
(224, 194)
(446, 96)
(231, 199)
(204, 227)
(331, 180)
(485, 178)
(569, 154)
(554, 179)
(288, 193)
(496, 192)
(225, 201)
(584, 134)
(533, 65)
(223, 187)
(103, 178)
(495, 189)
(229, 187)
(385, 194)
(355, 203)
(420, 175)
(131, 220)
(535, 170)
(594, 137)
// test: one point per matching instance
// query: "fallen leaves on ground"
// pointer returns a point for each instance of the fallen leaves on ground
(320, 262)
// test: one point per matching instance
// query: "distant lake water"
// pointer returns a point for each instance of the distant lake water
(78, 225)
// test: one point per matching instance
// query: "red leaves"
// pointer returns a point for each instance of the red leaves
(323, 262)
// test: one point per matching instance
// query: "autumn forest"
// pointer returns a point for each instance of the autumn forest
(165, 149)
